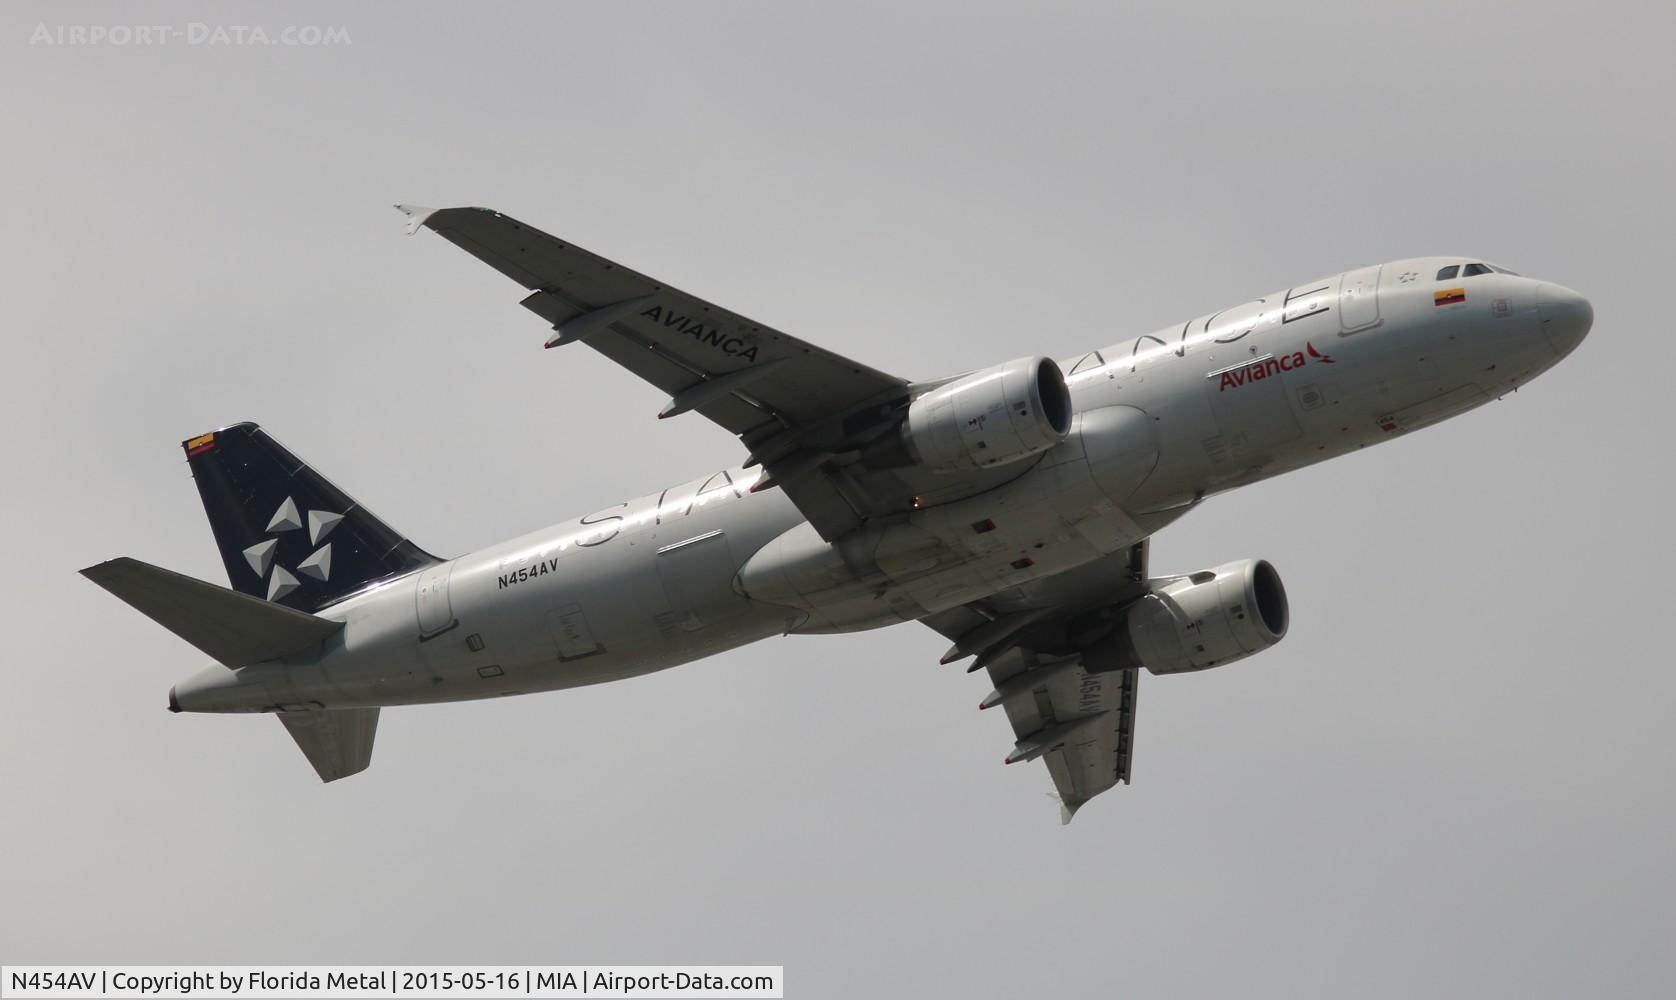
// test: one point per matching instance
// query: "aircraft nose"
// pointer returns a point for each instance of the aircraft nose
(1566, 316)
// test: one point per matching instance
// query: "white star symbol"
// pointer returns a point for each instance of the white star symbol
(317, 565)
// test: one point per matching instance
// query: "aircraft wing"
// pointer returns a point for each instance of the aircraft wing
(664, 335)
(802, 412)
(1080, 723)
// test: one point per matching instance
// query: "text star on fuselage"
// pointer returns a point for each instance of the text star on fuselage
(1008, 508)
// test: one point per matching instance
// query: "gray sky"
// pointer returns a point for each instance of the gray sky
(1453, 777)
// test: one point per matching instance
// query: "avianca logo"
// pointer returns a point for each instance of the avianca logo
(1257, 371)
(712, 336)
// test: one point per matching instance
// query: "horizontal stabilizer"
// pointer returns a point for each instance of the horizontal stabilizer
(338, 742)
(236, 629)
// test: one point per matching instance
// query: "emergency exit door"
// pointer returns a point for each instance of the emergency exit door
(1358, 299)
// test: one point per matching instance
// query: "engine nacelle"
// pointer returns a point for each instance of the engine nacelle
(1200, 621)
(990, 417)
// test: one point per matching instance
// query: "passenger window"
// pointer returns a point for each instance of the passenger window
(1089, 362)
(1472, 269)
(1444, 274)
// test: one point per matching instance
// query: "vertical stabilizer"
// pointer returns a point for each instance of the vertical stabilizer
(286, 533)
(338, 742)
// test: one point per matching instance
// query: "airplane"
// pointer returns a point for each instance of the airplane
(1008, 508)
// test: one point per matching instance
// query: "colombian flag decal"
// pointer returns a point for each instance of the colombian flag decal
(1449, 296)
(200, 444)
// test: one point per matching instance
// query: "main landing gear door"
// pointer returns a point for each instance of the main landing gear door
(436, 611)
(1358, 299)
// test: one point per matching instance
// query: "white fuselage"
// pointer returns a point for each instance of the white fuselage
(1162, 421)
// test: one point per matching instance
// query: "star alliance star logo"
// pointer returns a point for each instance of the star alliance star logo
(318, 565)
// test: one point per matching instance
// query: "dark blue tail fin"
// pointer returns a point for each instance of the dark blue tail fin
(285, 532)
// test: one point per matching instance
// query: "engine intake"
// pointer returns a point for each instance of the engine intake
(1199, 621)
(990, 417)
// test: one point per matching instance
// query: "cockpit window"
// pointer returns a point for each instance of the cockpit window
(1446, 273)
(1472, 269)
(1503, 270)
